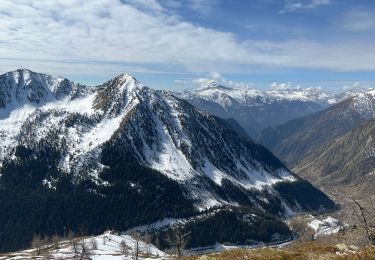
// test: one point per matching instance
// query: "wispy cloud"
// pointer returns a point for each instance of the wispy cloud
(127, 35)
(217, 77)
(295, 5)
(358, 20)
(146, 4)
(203, 7)
(180, 82)
(109, 31)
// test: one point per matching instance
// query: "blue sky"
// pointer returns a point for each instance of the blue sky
(175, 44)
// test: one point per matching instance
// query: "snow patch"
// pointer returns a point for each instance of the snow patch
(107, 246)
(326, 226)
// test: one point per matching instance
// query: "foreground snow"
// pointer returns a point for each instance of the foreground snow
(107, 246)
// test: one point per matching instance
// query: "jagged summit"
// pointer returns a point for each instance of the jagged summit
(212, 84)
(26, 77)
(121, 83)
(24, 86)
(351, 92)
(363, 102)
(125, 78)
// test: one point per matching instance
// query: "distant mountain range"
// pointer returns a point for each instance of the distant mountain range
(122, 154)
(326, 138)
(344, 163)
(333, 148)
(256, 110)
(295, 139)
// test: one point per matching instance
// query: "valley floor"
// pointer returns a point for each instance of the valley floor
(317, 237)
(115, 246)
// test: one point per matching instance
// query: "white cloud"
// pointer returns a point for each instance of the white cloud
(294, 6)
(286, 85)
(320, 2)
(201, 81)
(210, 77)
(108, 34)
(203, 7)
(109, 31)
(146, 4)
(217, 77)
(349, 55)
(180, 82)
(280, 85)
(352, 86)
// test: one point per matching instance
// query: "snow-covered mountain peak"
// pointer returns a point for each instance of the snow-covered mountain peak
(310, 94)
(117, 94)
(22, 86)
(349, 92)
(353, 90)
(125, 82)
(362, 96)
(251, 97)
(212, 85)
(364, 103)
(124, 77)
(25, 77)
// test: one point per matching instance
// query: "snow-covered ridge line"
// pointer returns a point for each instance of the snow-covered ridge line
(364, 102)
(22, 87)
(246, 95)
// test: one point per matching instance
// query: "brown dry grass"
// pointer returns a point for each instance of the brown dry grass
(303, 251)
